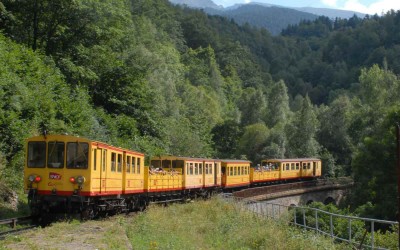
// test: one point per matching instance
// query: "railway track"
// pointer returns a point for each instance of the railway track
(17, 225)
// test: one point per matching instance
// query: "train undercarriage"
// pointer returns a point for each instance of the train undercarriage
(47, 208)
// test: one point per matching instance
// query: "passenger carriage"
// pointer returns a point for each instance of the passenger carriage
(235, 174)
(193, 176)
(288, 169)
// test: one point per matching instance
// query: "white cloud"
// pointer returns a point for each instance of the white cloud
(331, 3)
(381, 6)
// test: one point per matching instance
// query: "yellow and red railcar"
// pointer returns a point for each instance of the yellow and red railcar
(194, 176)
(69, 173)
(287, 169)
(235, 174)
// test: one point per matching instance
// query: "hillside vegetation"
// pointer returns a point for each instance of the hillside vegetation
(158, 78)
(212, 224)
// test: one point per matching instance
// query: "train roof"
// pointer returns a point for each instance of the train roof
(293, 159)
(235, 161)
(66, 137)
(183, 158)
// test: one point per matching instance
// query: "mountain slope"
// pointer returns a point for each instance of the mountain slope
(331, 13)
(200, 4)
(274, 19)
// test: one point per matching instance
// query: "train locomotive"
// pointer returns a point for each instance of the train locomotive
(70, 174)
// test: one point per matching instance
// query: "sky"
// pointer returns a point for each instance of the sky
(363, 6)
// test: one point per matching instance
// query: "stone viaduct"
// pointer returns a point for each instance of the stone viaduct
(302, 193)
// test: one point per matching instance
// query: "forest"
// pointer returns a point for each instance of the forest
(162, 79)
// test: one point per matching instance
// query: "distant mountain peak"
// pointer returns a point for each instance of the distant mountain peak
(273, 17)
(198, 4)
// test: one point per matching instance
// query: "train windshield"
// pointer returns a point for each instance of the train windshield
(36, 154)
(56, 155)
(77, 155)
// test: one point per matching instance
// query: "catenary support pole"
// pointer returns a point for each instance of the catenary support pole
(398, 176)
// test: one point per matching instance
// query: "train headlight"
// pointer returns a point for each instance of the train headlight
(31, 178)
(80, 180)
(77, 180)
(34, 178)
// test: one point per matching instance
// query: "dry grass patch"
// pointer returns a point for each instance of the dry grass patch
(106, 234)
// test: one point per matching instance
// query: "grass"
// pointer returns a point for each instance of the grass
(211, 224)
(215, 224)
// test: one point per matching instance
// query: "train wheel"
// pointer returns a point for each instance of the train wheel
(88, 213)
(141, 205)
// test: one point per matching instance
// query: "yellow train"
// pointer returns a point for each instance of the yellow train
(77, 175)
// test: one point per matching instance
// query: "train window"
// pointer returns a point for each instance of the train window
(77, 155)
(242, 170)
(196, 168)
(216, 167)
(155, 163)
(287, 166)
(210, 171)
(55, 158)
(297, 166)
(206, 168)
(304, 165)
(36, 154)
(113, 160)
(178, 164)
(230, 171)
(128, 164)
(200, 168)
(308, 165)
(104, 160)
(133, 165)
(235, 171)
(191, 168)
(119, 163)
(138, 165)
(187, 168)
(291, 166)
(166, 164)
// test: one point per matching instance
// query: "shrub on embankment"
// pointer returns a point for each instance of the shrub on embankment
(211, 224)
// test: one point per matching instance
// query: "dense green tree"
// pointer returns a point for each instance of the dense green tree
(302, 132)
(252, 141)
(226, 138)
(252, 106)
(374, 166)
(333, 135)
(278, 105)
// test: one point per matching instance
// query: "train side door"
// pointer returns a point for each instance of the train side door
(215, 172)
(96, 187)
(314, 168)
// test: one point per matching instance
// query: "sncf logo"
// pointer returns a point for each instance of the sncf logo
(54, 176)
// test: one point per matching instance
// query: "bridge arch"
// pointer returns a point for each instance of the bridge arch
(330, 200)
